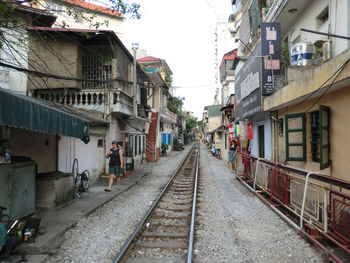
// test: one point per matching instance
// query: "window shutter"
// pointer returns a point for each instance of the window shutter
(324, 137)
(295, 137)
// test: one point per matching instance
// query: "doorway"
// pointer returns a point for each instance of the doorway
(261, 142)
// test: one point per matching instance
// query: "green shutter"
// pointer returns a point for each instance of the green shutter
(295, 137)
(324, 137)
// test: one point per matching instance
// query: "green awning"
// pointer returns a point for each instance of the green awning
(25, 112)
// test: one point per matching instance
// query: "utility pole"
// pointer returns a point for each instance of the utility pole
(135, 47)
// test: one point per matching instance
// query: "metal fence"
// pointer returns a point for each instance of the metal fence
(318, 202)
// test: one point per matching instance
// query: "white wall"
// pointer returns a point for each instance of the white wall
(268, 137)
(338, 19)
(114, 24)
(90, 157)
(40, 147)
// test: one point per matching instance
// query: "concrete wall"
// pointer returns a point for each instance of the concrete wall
(53, 54)
(338, 101)
(90, 156)
(214, 122)
(40, 147)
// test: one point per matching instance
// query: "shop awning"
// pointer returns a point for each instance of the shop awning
(25, 112)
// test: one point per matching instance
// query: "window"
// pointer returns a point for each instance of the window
(100, 143)
(295, 137)
(315, 136)
(324, 137)
(320, 141)
(136, 145)
(322, 18)
(280, 127)
(140, 144)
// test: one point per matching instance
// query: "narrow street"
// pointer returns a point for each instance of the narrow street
(235, 226)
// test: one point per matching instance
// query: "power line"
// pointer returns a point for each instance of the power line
(52, 76)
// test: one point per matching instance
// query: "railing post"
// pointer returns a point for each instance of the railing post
(304, 199)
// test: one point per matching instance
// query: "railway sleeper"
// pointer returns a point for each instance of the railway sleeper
(162, 244)
(172, 217)
(168, 222)
(172, 259)
(165, 234)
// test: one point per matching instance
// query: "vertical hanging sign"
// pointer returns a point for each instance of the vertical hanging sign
(271, 52)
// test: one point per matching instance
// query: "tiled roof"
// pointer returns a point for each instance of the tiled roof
(148, 59)
(229, 55)
(97, 8)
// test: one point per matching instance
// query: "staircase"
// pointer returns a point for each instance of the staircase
(152, 153)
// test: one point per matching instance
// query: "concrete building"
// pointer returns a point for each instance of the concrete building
(161, 76)
(81, 14)
(314, 93)
(295, 101)
(98, 81)
(29, 127)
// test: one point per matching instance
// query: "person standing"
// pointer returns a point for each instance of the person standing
(115, 156)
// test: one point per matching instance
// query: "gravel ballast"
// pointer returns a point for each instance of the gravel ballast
(235, 226)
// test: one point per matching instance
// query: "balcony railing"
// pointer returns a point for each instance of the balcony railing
(117, 100)
(168, 115)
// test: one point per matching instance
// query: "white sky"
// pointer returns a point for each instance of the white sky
(182, 32)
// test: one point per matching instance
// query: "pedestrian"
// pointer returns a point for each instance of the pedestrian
(232, 156)
(115, 156)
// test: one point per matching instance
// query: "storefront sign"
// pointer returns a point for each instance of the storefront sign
(247, 83)
(271, 49)
(231, 132)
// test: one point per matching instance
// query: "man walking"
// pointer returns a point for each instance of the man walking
(115, 156)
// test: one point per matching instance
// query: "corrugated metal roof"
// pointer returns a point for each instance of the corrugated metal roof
(214, 110)
(149, 59)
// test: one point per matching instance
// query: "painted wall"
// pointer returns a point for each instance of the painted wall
(40, 147)
(90, 156)
(338, 101)
(15, 54)
(214, 122)
(63, 60)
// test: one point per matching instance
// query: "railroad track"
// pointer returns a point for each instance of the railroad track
(166, 233)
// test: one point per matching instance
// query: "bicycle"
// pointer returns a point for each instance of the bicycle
(81, 180)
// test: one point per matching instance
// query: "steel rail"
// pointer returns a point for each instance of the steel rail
(193, 217)
(138, 229)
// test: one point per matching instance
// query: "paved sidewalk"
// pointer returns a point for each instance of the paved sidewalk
(57, 221)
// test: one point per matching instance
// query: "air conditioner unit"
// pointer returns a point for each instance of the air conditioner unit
(327, 50)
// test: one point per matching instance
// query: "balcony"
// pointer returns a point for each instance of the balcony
(117, 100)
(303, 81)
(168, 116)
